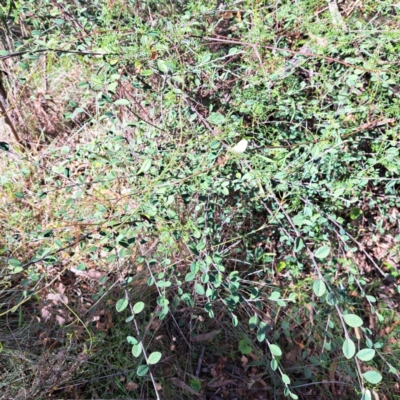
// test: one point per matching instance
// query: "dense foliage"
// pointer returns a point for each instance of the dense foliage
(188, 186)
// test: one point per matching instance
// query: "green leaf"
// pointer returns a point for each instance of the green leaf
(142, 370)
(216, 119)
(393, 370)
(275, 350)
(154, 358)
(215, 144)
(298, 244)
(145, 166)
(253, 322)
(319, 287)
(322, 252)
(131, 340)
(146, 72)
(349, 348)
(165, 66)
(235, 320)
(355, 213)
(137, 350)
(366, 395)
(281, 266)
(261, 335)
(285, 379)
(122, 102)
(353, 320)
(244, 347)
(366, 354)
(191, 276)
(138, 307)
(372, 299)
(200, 289)
(373, 377)
(274, 296)
(121, 305)
(195, 384)
(14, 262)
(274, 364)
(206, 58)
(161, 66)
(170, 65)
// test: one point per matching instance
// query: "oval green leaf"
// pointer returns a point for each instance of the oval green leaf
(154, 358)
(275, 350)
(122, 102)
(322, 252)
(253, 322)
(145, 166)
(353, 320)
(235, 320)
(349, 348)
(285, 379)
(121, 305)
(146, 72)
(216, 119)
(274, 296)
(14, 262)
(165, 66)
(373, 377)
(131, 340)
(319, 287)
(200, 289)
(366, 354)
(137, 350)
(142, 370)
(138, 307)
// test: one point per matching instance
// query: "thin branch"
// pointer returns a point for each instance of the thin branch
(220, 39)
(83, 53)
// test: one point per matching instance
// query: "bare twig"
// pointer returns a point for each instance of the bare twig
(200, 362)
(221, 39)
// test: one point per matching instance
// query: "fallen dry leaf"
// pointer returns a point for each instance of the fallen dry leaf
(244, 360)
(103, 321)
(131, 386)
(57, 298)
(294, 354)
(45, 313)
(205, 337)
